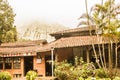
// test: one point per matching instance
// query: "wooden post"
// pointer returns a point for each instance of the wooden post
(56, 57)
(88, 55)
(52, 52)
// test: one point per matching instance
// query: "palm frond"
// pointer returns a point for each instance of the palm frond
(97, 7)
(83, 16)
(101, 26)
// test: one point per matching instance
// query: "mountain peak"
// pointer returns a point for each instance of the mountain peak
(36, 30)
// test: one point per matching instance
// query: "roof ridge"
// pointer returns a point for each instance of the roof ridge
(78, 29)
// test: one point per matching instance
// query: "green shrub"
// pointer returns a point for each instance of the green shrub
(80, 78)
(87, 70)
(116, 78)
(105, 79)
(62, 70)
(31, 75)
(100, 73)
(75, 73)
(97, 78)
(5, 76)
(91, 78)
(67, 71)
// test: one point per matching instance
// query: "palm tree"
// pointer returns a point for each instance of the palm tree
(104, 17)
(90, 27)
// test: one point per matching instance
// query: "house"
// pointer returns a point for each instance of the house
(18, 58)
(76, 42)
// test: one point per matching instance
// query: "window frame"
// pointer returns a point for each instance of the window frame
(8, 63)
(16, 63)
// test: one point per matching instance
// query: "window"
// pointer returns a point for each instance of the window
(16, 62)
(1, 63)
(8, 63)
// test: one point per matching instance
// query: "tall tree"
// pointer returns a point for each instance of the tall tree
(90, 27)
(8, 31)
(105, 17)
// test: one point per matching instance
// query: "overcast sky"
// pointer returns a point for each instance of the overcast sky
(65, 12)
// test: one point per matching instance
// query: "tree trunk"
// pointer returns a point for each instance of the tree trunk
(103, 51)
(93, 46)
(116, 53)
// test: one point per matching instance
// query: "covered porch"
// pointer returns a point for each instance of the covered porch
(81, 46)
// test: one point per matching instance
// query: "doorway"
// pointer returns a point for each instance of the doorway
(48, 65)
(28, 64)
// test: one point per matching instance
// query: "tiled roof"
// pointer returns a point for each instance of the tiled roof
(21, 47)
(60, 43)
(79, 29)
(74, 42)
(24, 43)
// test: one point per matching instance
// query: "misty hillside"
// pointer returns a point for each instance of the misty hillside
(36, 30)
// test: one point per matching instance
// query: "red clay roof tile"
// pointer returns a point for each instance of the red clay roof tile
(21, 47)
(60, 43)
(74, 42)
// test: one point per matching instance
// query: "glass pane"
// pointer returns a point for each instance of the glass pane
(8, 60)
(16, 65)
(8, 65)
(17, 60)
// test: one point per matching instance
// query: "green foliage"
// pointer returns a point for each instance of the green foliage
(7, 30)
(91, 78)
(67, 71)
(100, 73)
(96, 78)
(31, 75)
(105, 18)
(75, 73)
(5, 76)
(105, 79)
(116, 78)
(62, 70)
(87, 70)
(80, 78)
(10, 36)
